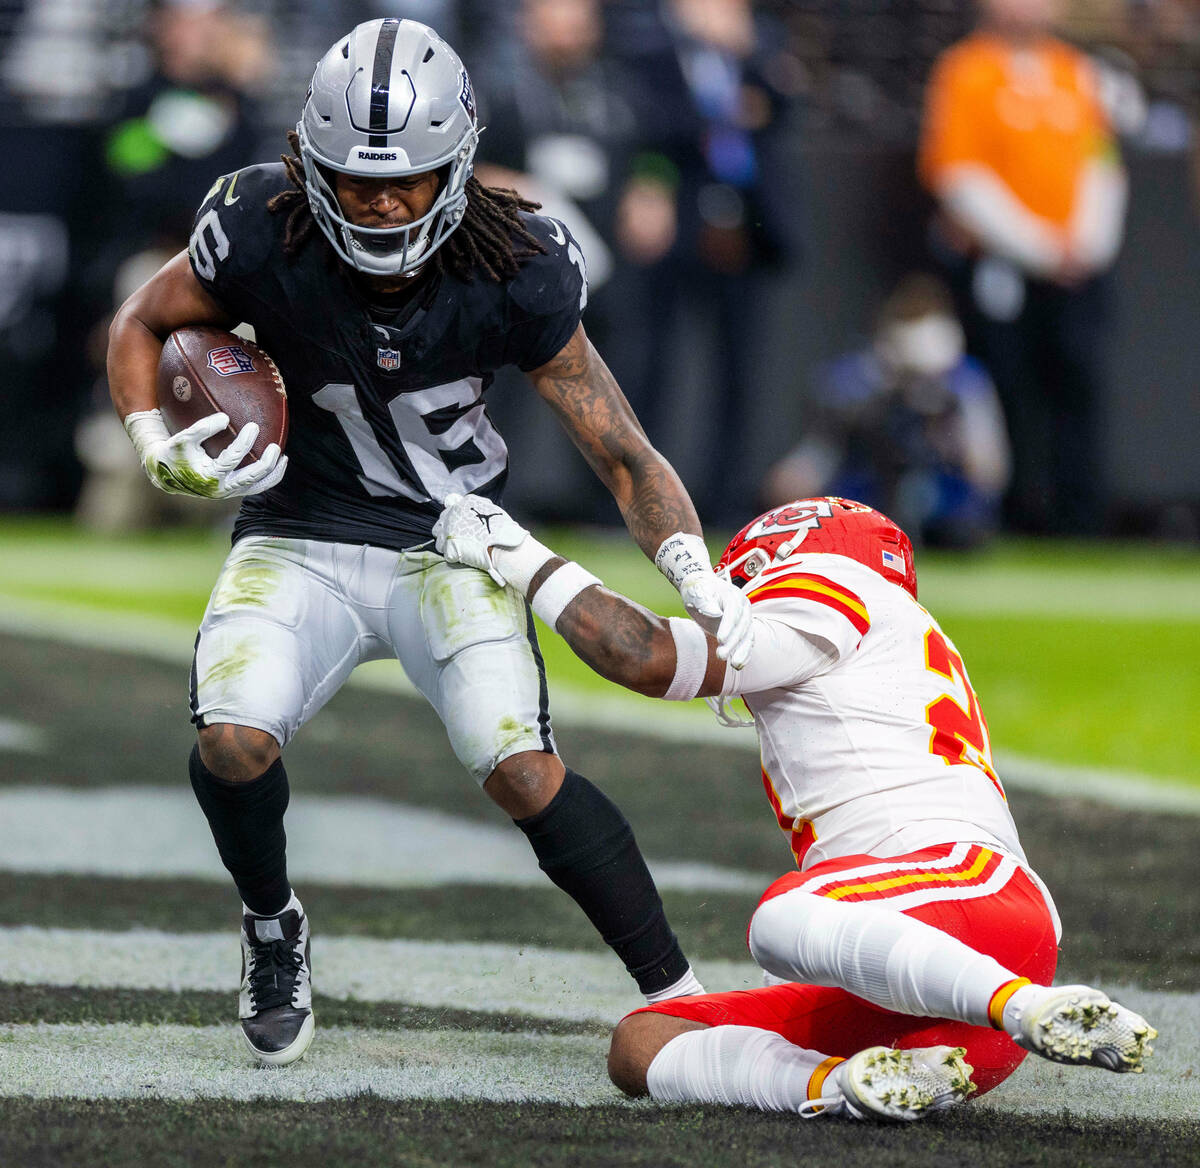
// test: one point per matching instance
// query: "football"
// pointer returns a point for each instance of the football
(205, 370)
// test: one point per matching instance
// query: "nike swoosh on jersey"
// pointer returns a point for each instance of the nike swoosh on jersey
(558, 235)
(230, 198)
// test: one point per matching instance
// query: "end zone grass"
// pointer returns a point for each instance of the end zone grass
(369, 1131)
(1123, 881)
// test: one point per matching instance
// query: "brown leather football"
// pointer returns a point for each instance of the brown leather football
(205, 370)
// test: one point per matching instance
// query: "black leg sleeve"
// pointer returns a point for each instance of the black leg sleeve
(586, 846)
(247, 825)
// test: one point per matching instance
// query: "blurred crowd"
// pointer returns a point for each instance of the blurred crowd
(664, 133)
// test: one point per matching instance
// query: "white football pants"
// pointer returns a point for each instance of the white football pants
(289, 619)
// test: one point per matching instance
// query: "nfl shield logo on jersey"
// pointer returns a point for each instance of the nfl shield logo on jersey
(388, 359)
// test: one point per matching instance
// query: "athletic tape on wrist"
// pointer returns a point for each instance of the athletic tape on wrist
(145, 427)
(519, 565)
(559, 589)
(682, 556)
(691, 659)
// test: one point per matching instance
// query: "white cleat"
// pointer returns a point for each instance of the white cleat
(1080, 1025)
(882, 1083)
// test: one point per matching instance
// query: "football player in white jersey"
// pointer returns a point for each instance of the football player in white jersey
(912, 949)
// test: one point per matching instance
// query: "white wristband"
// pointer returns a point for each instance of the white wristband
(691, 660)
(559, 589)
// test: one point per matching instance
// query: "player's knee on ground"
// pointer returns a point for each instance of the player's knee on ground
(635, 1042)
(237, 754)
(778, 928)
(524, 783)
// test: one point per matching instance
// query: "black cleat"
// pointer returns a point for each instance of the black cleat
(275, 1005)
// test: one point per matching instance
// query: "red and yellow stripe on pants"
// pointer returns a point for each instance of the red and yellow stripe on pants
(973, 893)
(947, 873)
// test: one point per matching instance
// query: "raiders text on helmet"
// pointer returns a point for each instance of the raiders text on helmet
(828, 526)
(390, 99)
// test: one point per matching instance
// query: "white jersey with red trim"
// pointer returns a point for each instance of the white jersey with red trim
(871, 736)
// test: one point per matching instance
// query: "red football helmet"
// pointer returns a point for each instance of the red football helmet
(831, 526)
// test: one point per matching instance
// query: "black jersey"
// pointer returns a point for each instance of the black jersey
(384, 421)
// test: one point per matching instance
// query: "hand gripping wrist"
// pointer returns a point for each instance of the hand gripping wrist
(714, 603)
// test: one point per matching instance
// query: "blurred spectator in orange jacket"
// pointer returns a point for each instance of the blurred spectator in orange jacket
(1018, 150)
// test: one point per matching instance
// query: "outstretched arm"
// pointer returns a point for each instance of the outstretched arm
(586, 399)
(662, 657)
(626, 643)
(657, 510)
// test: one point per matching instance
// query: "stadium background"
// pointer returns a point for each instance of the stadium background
(116, 973)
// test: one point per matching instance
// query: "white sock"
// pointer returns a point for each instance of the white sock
(735, 1064)
(685, 987)
(1018, 1001)
(293, 902)
(894, 961)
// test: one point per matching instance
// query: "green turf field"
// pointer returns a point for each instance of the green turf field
(1081, 654)
(463, 1020)
(463, 1003)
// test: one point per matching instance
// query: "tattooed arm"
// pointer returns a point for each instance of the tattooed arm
(654, 503)
(588, 402)
(622, 641)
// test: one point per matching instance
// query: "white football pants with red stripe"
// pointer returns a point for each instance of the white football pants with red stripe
(909, 951)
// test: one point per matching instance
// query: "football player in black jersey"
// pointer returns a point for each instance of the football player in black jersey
(389, 286)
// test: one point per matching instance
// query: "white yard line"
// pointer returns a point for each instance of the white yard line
(690, 723)
(180, 1062)
(159, 832)
(545, 983)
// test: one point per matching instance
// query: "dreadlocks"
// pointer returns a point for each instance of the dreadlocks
(491, 238)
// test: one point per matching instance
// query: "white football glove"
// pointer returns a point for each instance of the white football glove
(470, 527)
(717, 605)
(179, 464)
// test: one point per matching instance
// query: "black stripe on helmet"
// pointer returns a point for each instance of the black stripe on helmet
(381, 74)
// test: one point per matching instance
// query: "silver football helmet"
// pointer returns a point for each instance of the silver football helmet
(391, 98)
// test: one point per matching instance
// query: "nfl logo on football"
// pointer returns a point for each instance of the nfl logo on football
(388, 359)
(230, 359)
